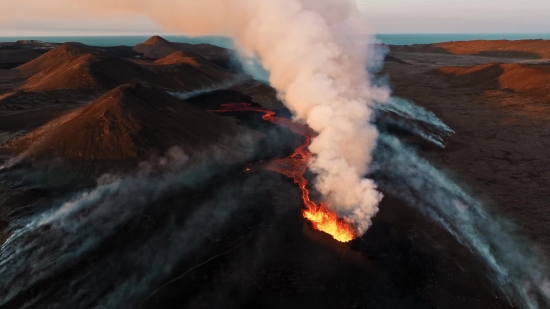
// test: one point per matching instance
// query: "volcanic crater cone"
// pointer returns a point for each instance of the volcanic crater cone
(134, 122)
(156, 47)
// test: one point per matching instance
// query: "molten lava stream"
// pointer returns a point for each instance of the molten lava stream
(294, 167)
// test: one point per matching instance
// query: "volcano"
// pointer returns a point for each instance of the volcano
(294, 167)
(134, 122)
(156, 47)
(94, 212)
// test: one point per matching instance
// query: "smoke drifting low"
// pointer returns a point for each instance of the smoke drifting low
(53, 241)
(515, 266)
(415, 119)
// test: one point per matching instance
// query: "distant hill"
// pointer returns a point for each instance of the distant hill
(56, 57)
(16, 54)
(13, 57)
(134, 122)
(525, 49)
(80, 67)
(514, 76)
(158, 47)
(92, 72)
(261, 93)
(188, 63)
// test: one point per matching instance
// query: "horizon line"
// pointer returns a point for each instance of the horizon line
(222, 36)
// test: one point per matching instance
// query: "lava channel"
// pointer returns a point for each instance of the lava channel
(294, 167)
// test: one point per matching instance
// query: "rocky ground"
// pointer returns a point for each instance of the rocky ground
(500, 149)
(213, 236)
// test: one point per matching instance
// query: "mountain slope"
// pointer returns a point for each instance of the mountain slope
(83, 68)
(56, 57)
(91, 72)
(158, 47)
(191, 70)
(135, 122)
(528, 49)
(513, 76)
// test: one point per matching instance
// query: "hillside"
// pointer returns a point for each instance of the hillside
(188, 63)
(135, 122)
(80, 67)
(261, 93)
(158, 47)
(526, 49)
(513, 76)
(11, 57)
(56, 57)
(90, 72)
(219, 55)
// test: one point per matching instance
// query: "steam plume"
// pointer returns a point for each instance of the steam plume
(317, 54)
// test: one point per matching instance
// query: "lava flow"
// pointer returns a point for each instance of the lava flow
(294, 167)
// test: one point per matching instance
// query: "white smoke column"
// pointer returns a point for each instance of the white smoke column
(317, 53)
(317, 61)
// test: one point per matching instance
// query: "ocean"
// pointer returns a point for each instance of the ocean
(393, 39)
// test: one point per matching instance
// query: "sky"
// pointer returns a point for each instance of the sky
(459, 16)
(44, 18)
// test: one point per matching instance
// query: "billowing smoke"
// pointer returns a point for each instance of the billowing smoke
(317, 54)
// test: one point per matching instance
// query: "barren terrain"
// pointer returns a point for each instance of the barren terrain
(500, 148)
(154, 230)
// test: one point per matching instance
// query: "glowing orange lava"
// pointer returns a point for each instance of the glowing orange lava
(294, 167)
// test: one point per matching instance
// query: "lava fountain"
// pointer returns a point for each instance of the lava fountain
(294, 167)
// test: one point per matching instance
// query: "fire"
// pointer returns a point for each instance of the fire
(294, 167)
(326, 221)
